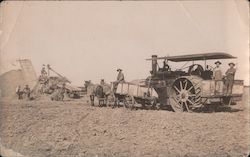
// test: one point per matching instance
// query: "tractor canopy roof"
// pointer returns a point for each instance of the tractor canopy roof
(200, 56)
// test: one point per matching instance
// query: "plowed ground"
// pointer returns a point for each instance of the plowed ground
(73, 128)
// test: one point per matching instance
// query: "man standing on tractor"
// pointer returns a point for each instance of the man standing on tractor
(230, 73)
(217, 76)
(165, 66)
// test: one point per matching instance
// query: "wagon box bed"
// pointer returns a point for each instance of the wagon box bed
(135, 90)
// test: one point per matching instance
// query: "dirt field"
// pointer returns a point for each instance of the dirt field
(74, 128)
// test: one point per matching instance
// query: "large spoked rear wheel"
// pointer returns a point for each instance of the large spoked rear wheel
(185, 95)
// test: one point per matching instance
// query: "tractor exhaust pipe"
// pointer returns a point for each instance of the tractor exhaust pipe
(154, 64)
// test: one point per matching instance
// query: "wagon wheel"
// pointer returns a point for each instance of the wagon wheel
(185, 95)
(129, 102)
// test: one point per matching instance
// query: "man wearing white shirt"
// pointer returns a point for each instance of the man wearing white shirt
(217, 76)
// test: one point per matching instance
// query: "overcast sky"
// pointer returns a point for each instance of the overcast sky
(85, 40)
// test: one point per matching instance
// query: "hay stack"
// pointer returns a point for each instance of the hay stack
(9, 81)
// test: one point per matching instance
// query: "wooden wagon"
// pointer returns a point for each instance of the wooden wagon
(132, 95)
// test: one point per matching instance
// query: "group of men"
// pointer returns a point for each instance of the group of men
(228, 77)
(23, 93)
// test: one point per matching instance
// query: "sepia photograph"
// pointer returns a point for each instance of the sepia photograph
(124, 78)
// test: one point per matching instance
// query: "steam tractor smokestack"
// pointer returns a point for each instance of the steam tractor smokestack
(154, 64)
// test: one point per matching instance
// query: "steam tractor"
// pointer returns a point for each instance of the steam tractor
(190, 87)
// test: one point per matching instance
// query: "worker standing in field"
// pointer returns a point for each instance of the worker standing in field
(217, 76)
(58, 94)
(19, 92)
(62, 91)
(230, 73)
(27, 92)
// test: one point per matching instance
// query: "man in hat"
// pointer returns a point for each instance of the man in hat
(102, 82)
(217, 76)
(120, 78)
(43, 72)
(165, 65)
(230, 73)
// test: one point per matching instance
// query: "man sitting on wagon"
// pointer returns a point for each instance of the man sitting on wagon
(120, 78)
